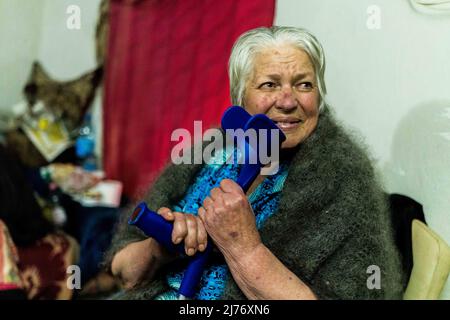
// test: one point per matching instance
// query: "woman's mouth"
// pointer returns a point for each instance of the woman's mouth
(288, 125)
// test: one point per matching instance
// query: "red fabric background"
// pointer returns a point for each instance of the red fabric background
(167, 66)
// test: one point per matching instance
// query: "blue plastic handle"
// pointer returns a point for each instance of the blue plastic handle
(155, 226)
(236, 117)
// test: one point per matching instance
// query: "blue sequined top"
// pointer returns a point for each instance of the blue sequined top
(264, 201)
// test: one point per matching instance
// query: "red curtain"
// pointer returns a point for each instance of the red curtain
(166, 67)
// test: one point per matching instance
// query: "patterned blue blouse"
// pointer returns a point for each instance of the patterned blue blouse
(264, 201)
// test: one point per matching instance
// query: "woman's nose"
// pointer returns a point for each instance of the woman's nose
(286, 100)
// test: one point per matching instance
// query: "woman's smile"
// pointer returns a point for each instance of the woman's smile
(287, 124)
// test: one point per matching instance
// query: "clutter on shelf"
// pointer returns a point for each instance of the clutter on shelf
(89, 188)
(48, 122)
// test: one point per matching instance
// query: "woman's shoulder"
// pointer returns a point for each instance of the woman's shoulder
(342, 147)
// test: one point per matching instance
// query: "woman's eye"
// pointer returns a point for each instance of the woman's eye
(268, 85)
(305, 85)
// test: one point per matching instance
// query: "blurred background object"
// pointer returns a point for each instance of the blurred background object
(431, 6)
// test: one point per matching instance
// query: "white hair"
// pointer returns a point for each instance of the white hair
(250, 43)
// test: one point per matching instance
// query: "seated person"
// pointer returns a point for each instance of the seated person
(19, 209)
(314, 230)
(35, 254)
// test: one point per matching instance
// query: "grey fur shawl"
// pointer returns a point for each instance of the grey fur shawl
(332, 223)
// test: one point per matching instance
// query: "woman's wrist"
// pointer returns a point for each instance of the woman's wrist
(243, 255)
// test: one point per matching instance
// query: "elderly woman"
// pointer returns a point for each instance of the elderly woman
(317, 229)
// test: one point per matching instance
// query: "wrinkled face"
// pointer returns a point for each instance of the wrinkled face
(283, 87)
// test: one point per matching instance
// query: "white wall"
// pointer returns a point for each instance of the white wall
(37, 30)
(20, 30)
(393, 85)
(66, 53)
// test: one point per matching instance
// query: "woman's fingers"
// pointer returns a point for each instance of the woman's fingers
(227, 185)
(180, 229)
(166, 213)
(202, 213)
(207, 203)
(202, 236)
(215, 193)
(190, 241)
(186, 227)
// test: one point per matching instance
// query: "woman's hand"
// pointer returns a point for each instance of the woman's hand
(229, 219)
(140, 260)
(186, 227)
